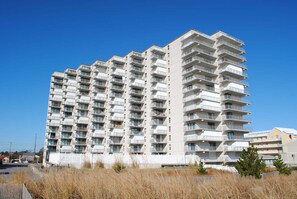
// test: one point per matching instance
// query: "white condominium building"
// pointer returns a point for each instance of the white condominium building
(186, 98)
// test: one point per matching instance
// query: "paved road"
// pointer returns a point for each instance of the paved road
(7, 169)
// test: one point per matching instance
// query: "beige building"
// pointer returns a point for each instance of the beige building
(278, 141)
(185, 98)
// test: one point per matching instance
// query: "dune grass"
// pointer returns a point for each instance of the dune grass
(159, 183)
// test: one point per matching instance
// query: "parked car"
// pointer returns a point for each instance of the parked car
(16, 161)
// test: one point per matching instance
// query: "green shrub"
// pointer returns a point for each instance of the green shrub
(200, 168)
(118, 166)
(249, 163)
(99, 165)
(281, 167)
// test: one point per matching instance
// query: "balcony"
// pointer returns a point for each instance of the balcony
(157, 50)
(201, 127)
(237, 57)
(101, 76)
(116, 142)
(116, 110)
(158, 106)
(119, 72)
(157, 56)
(136, 116)
(203, 53)
(232, 47)
(159, 150)
(235, 118)
(230, 38)
(136, 100)
(100, 113)
(233, 138)
(136, 62)
(202, 117)
(159, 97)
(135, 54)
(136, 69)
(136, 108)
(228, 98)
(136, 124)
(234, 148)
(200, 69)
(270, 152)
(136, 92)
(136, 133)
(80, 143)
(201, 97)
(158, 114)
(266, 140)
(136, 141)
(203, 138)
(98, 119)
(159, 88)
(228, 79)
(198, 78)
(158, 132)
(158, 64)
(118, 59)
(235, 109)
(116, 118)
(196, 59)
(116, 95)
(158, 123)
(98, 134)
(200, 43)
(268, 146)
(117, 81)
(137, 84)
(204, 149)
(224, 61)
(158, 80)
(116, 133)
(235, 90)
(159, 72)
(236, 73)
(202, 108)
(117, 88)
(236, 128)
(100, 97)
(114, 102)
(159, 140)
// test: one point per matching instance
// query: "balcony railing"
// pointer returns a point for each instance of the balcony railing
(198, 77)
(203, 138)
(231, 45)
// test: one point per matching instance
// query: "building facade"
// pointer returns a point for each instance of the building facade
(275, 142)
(185, 98)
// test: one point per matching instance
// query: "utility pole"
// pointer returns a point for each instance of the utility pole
(10, 151)
(35, 147)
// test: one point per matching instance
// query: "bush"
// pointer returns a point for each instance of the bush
(118, 166)
(249, 163)
(99, 165)
(281, 167)
(200, 168)
(87, 165)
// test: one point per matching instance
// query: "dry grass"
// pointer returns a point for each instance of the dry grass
(159, 183)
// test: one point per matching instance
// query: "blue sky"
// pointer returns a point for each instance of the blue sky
(40, 37)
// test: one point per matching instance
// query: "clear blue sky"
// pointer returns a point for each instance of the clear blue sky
(40, 37)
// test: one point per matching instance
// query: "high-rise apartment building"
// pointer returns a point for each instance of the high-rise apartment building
(186, 98)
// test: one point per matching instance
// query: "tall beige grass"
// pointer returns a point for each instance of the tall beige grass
(137, 183)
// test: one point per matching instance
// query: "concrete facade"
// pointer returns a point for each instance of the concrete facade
(183, 99)
(278, 141)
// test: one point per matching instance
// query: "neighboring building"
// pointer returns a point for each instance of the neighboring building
(183, 99)
(278, 141)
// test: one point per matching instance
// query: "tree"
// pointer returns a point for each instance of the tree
(249, 163)
(200, 168)
(281, 167)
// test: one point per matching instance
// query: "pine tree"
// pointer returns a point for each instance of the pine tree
(281, 167)
(200, 168)
(249, 163)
